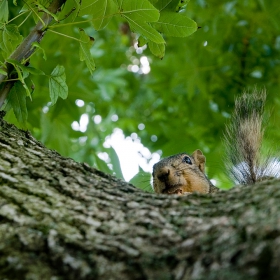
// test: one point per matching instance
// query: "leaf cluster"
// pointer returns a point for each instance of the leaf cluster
(144, 18)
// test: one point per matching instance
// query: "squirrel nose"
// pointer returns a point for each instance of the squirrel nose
(163, 174)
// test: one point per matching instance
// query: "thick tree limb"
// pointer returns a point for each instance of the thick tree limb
(63, 219)
(25, 49)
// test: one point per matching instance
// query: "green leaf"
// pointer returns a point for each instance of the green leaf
(17, 99)
(172, 5)
(85, 55)
(157, 49)
(146, 30)
(38, 46)
(116, 163)
(142, 180)
(21, 72)
(15, 2)
(138, 10)
(102, 165)
(4, 11)
(153, 2)
(45, 3)
(142, 41)
(57, 84)
(167, 4)
(25, 69)
(9, 38)
(25, 7)
(182, 4)
(175, 24)
(3, 72)
(42, 8)
(18, 66)
(100, 10)
(139, 14)
(34, 71)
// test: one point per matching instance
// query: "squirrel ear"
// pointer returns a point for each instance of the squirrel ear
(199, 159)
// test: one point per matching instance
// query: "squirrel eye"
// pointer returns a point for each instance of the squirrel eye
(187, 160)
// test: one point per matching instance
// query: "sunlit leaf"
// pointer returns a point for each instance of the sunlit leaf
(142, 41)
(9, 38)
(85, 55)
(3, 72)
(4, 10)
(139, 14)
(157, 49)
(138, 10)
(175, 24)
(42, 8)
(182, 4)
(34, 71)
(142, 180)
(167, 4)
(116, 163)
(146, 30)
(100, 10)
(36, 45)
(57, 84)
(102, 165)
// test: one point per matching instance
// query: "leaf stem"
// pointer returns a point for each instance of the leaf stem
(40, 19)
(24, 20)
(19, 15)
(67, 24)
(67, 36)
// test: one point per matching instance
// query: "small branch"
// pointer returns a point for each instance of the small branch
(25, 49)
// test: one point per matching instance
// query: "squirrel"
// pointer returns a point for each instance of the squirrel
(183, 174)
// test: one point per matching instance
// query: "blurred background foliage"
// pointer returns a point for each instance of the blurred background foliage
(170, 105)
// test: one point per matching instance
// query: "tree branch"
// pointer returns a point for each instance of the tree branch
(63, 219)
(25, 49)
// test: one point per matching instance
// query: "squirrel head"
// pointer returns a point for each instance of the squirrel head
(181, 173)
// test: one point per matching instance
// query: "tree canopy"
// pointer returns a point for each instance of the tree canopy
(172, 66)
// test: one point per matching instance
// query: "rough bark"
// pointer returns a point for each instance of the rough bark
(65, 220)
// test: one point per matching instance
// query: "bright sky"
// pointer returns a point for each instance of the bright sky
(131, 152)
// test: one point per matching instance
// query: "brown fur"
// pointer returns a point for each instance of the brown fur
(174, 176)
(243, 141)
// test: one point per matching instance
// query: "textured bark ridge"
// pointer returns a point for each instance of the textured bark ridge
(64, 220)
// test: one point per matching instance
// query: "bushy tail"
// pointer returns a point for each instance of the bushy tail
(243, 140)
